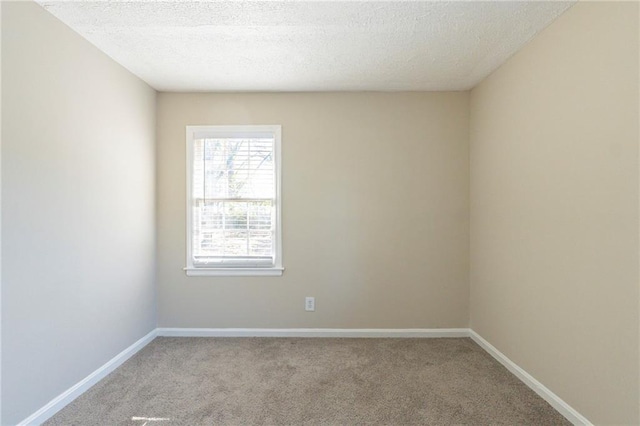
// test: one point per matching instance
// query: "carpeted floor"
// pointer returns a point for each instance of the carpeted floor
(277, 381)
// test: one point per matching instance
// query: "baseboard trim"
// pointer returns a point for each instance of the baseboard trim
(314, 332)
(58, 403)
(554, 400)
(79, 388)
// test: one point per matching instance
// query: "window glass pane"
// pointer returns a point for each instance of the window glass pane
(259, 215)
(232, 228)
(233, 199)
(233, 168)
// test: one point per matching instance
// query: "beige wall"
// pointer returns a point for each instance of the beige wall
(554, 210)
(375, 212)
(78, 225)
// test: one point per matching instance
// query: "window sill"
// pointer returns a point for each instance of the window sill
(234, 272)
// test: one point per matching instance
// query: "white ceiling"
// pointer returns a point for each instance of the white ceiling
(308, 46)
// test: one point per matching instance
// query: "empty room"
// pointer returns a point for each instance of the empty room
(320, 212)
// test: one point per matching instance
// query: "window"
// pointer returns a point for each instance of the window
(233, 200)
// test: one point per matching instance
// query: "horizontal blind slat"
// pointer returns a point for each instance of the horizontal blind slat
(233, 199)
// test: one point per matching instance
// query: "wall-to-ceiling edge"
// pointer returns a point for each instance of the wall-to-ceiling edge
(524, 323)
(554, 268)
(78, 208)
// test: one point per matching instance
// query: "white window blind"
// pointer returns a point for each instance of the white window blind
(233, 198)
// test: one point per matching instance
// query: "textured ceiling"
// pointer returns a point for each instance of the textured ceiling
(308, 46)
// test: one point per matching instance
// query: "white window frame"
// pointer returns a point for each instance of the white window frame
(235, 131)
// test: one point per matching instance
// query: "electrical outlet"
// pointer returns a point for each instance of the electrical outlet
(310, 304)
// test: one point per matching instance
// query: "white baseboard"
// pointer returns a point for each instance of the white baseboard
(313, 332)
(79, 388)
(554, 400)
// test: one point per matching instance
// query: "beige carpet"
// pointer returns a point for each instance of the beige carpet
(243, 381)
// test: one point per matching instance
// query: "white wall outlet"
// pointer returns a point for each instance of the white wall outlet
(310, 304)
